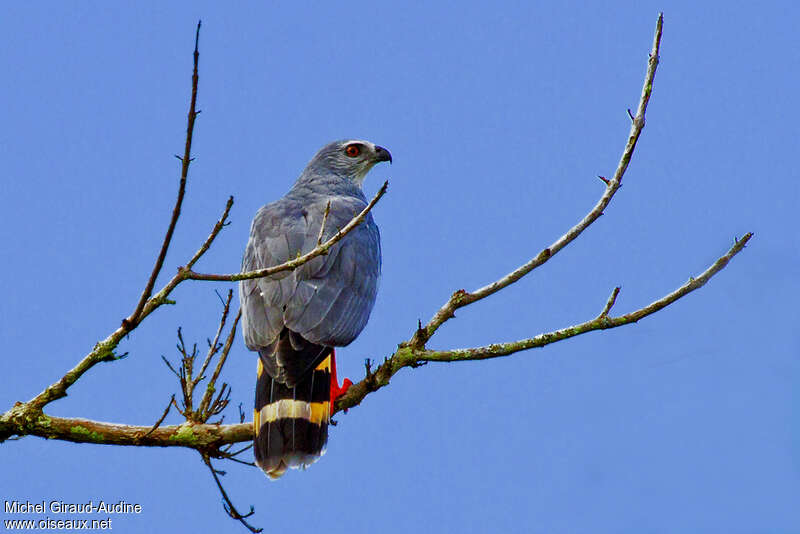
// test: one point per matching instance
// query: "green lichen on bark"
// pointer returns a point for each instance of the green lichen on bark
(88, 435)
(185, 435)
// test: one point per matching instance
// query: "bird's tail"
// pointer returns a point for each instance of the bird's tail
(291, 423)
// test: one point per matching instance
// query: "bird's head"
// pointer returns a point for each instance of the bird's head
(352, 159)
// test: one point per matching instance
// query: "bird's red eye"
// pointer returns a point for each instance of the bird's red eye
(352, 151)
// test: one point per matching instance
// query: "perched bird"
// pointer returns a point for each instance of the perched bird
(294, 319)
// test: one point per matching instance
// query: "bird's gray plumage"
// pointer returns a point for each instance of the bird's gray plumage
(327, 301)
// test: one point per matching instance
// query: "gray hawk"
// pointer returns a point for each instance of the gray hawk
(294, 319)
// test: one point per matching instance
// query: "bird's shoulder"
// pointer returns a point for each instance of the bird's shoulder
(292, 214)
(278, 217)
(291, 226)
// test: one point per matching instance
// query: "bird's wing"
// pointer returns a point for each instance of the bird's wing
(327, 301)
(333, 299)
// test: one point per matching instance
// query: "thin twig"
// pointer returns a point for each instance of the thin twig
(240, 451)
(324, 220)
(227, 455)
(185, 374)
(220, 224)
(219, 403)
(204, 403)
(169, 365)
(209, 406)
(610, 303)
(230, 509)
(214, 345)
(163, 416)
(176, 211)
(238, 461)
(183, 413)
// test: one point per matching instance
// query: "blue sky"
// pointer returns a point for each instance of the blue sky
(499, 118)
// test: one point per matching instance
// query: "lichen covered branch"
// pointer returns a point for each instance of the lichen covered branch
(409, 356)
(462, 298)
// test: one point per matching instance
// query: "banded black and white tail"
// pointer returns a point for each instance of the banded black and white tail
(291, 423)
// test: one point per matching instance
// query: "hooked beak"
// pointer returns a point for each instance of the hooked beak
(381, 154)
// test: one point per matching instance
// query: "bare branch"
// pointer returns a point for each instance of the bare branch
(204, 403)
(213, 346)
(463, 298)
(176, 211)
(231, 455)
(104, 350)
(163, 416)
(220, 224)
(238, 461)
(230, 509)
(209, 405)
(169, 365)
(185, 372)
